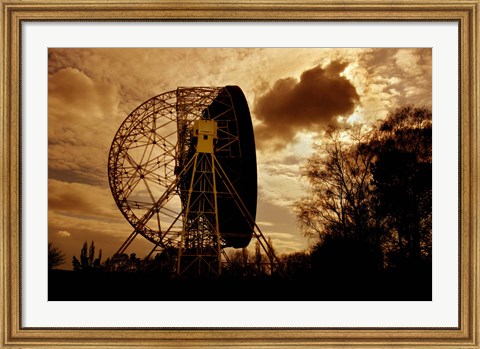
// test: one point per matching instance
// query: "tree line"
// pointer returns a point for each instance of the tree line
(370, 202)
(241, 262)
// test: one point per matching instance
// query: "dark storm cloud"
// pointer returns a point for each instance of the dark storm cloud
(311, 103)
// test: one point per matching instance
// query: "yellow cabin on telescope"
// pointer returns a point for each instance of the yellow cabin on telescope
(206, 133)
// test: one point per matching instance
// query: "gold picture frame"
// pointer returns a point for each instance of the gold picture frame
(465, 13)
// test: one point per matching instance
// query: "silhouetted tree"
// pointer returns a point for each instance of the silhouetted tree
(296, 264)
(118, 262)
(87, 260)
(402, 178)
(246, 264)
(270, 253)
(55, 256)
(238, 265)
(164, 263)
(370, 200)
(340, 204)
(258, 258)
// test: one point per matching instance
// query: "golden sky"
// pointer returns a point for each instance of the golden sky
(293, 94)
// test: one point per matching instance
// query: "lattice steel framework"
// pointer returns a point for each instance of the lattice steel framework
(168, 190)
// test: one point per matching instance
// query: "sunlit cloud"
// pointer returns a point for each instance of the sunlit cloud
(284, 242)
(265, 224)
(311, 103)
(63, 233)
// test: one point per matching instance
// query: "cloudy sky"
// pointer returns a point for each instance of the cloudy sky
(293, 94)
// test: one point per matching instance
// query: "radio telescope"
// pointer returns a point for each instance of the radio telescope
(182, 170)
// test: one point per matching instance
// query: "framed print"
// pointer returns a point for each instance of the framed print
(279, 174)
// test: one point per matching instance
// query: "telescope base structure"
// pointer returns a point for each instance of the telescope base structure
(200, 249)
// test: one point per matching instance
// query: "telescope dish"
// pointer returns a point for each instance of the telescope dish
(182, 170)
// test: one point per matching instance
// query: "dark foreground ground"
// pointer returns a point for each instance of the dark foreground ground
(105, 286)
